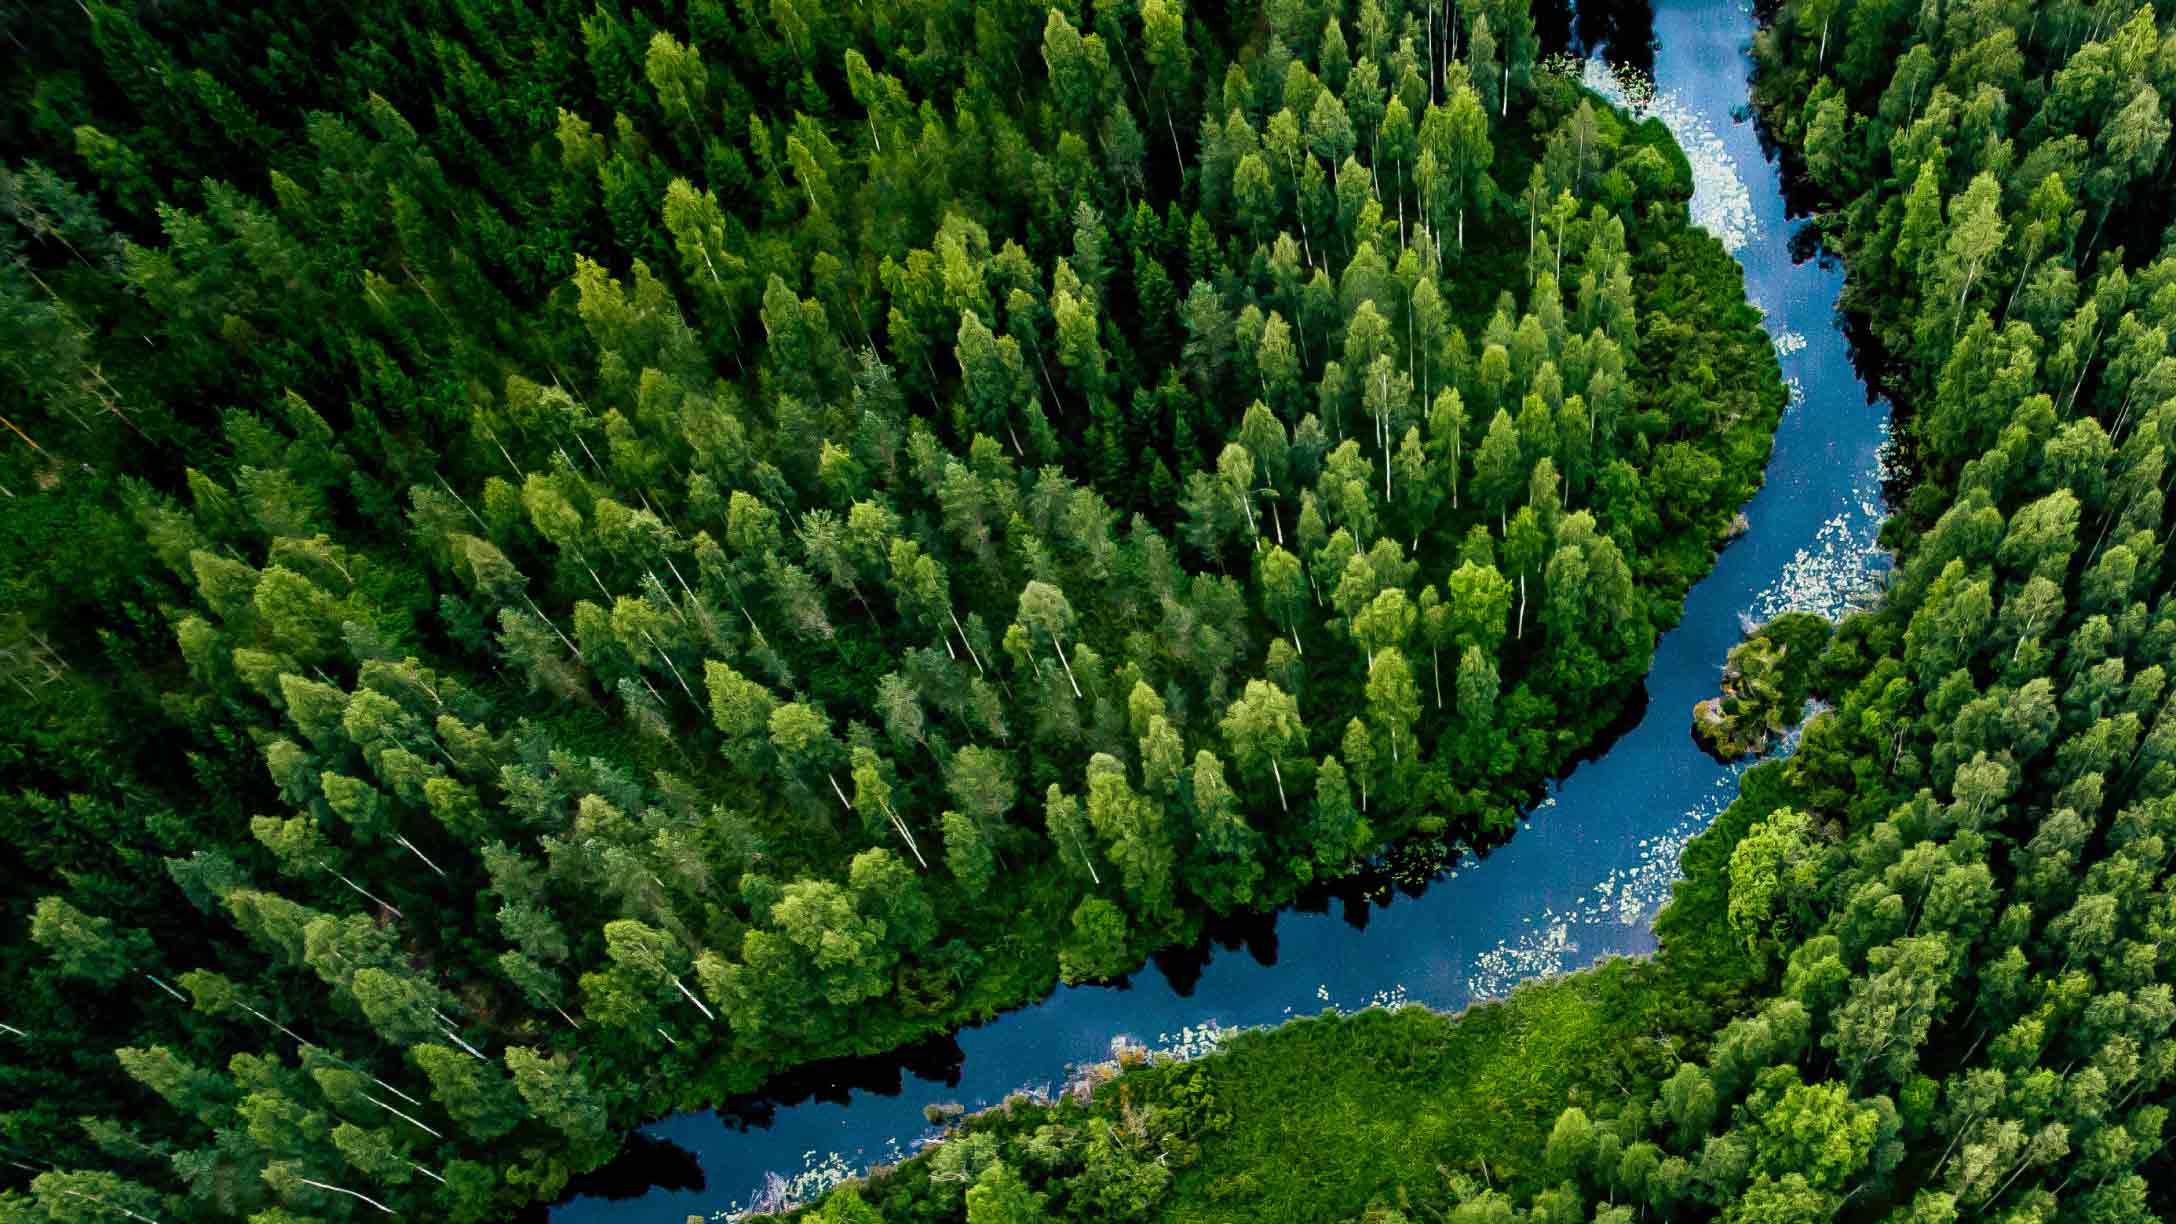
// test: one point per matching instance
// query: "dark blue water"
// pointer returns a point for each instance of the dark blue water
(1585, 874)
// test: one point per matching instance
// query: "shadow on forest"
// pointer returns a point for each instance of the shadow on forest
(1623, 30)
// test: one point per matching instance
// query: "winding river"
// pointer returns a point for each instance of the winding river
(1590, 865)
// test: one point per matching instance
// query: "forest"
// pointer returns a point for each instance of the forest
(1920, 972)
(563, 559)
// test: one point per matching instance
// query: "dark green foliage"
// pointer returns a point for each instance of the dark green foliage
(561, 559)
(1937, 937)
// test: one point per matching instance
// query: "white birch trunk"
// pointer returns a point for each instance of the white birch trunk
(338, 1190)
(411, 847)
(683, 989)
(403, 1117)
(1068, 667)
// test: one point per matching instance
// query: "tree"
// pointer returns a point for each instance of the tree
(1775, 859)
(1283, 584)
(999, 1196)
(1077, 68)
(652, 956)
(401, 1007)
(1163, 39)
(190, 1089)
(967, 853)
(1045, 610)
(1570, 1149)
(1393, 701)
(846, 1207)
(1788, 1199)
(375, 1152)
(1385, 622)
(1099, 946)
(675, 72)
(1259, 727)
(1070, 832)
(2042, 537)
(1815, 1132)
(1976, 234)
(1498, 471)
(1689, 1098)
(890, 896)
(818, 947)
(980, 780)
(1336, 830)
(1465, 153)
(88, 1196)
(740, 707)
(474, 1093)
(1478, 603)
(1478, 687)
(872, 799)
(559, 1096)
(86, 947)
(1131, 827)
(1358, 748)
(1225, 856)
(1950, 625)
(1885, 1019)
(1329, 129)
(1254, 194)
(698, 228)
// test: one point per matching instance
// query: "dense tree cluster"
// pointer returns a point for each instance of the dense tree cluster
(1956, 894)
(561, 561)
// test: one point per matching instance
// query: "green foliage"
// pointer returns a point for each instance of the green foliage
(1914, 973)
(546, 548)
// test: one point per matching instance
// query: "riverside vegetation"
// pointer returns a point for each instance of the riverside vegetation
(561, 559)
(1939, 934)
(1766, 680)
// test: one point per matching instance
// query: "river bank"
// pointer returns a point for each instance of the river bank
(1324, 1117)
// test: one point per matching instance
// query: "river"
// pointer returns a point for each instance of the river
(1589, 866)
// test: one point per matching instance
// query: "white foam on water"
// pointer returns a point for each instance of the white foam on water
(1628, 896)
(1722, 204)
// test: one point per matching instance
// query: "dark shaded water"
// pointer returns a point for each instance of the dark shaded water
(1585, 874)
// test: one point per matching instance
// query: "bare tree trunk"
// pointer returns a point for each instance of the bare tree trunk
(1068, 667)
(963, 640)
(403, 1117)
(466, 1048)
(411, 848)
(906, 835)
(699, 1005)
(373, 899)
(337, 1190)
